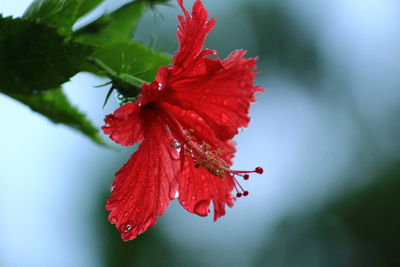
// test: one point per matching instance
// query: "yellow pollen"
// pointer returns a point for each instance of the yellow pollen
(209, 159)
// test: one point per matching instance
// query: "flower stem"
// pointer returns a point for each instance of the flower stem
(128, 85)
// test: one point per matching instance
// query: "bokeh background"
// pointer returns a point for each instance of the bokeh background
(326, 131)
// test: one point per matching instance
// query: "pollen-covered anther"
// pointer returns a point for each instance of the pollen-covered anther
(239, 189)
(245, 174)
(207, 158)
(259, 170)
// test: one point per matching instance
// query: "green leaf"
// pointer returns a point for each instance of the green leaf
(114, 27)
(132, 58)
(153, 2)
(86, 6)
(61, 14)
(55, 106)
(34, 57)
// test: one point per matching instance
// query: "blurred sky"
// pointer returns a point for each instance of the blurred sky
(306, 136)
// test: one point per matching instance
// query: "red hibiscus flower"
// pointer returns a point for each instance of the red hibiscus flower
(185, 121)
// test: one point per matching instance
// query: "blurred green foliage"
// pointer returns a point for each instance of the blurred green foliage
(284, 42)
(359, 229)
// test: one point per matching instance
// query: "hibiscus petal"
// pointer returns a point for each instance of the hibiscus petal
(192, 32)
(146, 184)
(125, 125)
(200, 129)
(220, 92)
(198, 187)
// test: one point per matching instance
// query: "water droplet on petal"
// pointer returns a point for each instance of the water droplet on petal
(127, 227)
(111, 188)
(175, 143)
(159, 87)
(201, 208)
(173, 192)
(113, 220)
(224, 118)
(109, 203)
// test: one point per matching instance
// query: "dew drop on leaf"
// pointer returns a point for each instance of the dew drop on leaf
(120, 97)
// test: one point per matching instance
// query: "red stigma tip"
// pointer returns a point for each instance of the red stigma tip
(246, 176)
(245, 193)
(259, 170)
(239, 194)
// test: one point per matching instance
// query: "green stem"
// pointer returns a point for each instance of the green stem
(115, 76)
